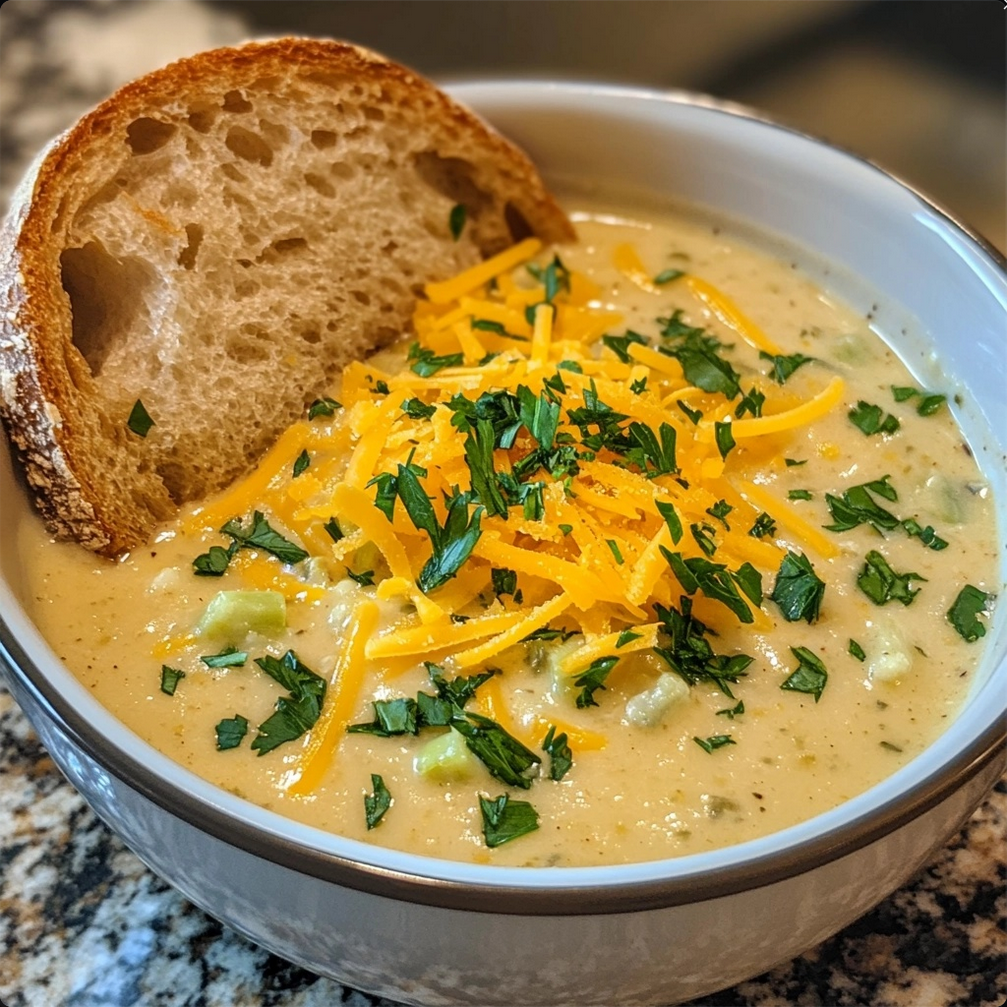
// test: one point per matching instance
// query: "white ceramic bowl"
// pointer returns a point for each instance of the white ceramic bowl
(436, 932)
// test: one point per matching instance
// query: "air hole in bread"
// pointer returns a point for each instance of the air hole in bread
(322, 186)
(517, 225)
(311, 336)
(202, 116)
(374, 113)
(280, 247)
(233, 173)
(57, 222)
(146, 135)
(244, 350)
(106, 298)
(323, 138)
(194, 237)
(451, 177)
(235, 101)
(273, 133)
(360, 297)
(342, 170)
(249, 146)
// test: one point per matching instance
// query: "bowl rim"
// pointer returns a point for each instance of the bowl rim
(481, 891)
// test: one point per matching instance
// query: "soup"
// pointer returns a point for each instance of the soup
(645, 549)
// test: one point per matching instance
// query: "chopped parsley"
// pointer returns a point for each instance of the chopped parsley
(324, 406)
(170, 677)
(698, 354)
(139, 420)
(456, 224)
(724, 437)
(591, 679)
(502, 754)
(505, 819)
(882, 584)
(333, 530)
(426, 363)
(667, 275)
(783, 365)
(392, 717)
(763, 526)
(871, 419)
(619, 345)
(798, 590)
(694, 415)
(504, 581)
(799, 495)
(929, 402)
(751, 402)
(416, 409)
(559, 752)
(231, 732)
(229, 657)
(715, 581)
(704, 536)
(857, 651)
(927, 535)
(667, 510)
(376, 804)
(497, 328)
(856, 506)
(732, 711)
(301, 463)
(214, 562)
(964, 613)
(793, 462)
(614, 547)
(381, 388)
(261, 535)
(365, 578)
(711, 744)
(626, 636)
(295, 713)
(810, 675)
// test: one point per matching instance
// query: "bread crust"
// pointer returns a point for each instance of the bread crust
(93, 480)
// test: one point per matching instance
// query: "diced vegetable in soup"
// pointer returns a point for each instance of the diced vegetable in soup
(629, 550)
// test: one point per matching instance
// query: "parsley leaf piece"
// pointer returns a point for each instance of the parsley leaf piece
(732, 711)
(965, 611)
(591, 679)
(856, 651)
(381, 388)
(793, 462)
(690, 655)
(798, 591)
(392, 717)
(711, 744)
(453, 546)
(856, 506)
(417, 409)
(930, 404)
(901, 393)
(799, 495)
(713, 579)
(927, 535)
(763, 526)
(882, 584)
(479, 446)
(365, 578)
(231, 732)
(626, 636)
(502, 754)
(301, 463)
(695, 415)
(810, 675)
(139, 420)
(619, 345)
(214, 562)
(295, 714)
(639, 386)
(653, 456)
(170, 677)
(783, 365)
(751, 402)
(724, 438)
(704, 536)
(376, 804)
(667, 275)
(324, 406)
(559, 752)
(229, 657)
(456, 220)
(750, 581)
(720, 510)
(614, 546)
(505, 819)
(671, 519)
(870, 419)
(332, 528)
(261, 535)
(504, 581)
(565, 528)
(426, 363)
(570, 365)
(701, 363)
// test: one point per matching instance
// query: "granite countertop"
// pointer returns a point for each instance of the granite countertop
(84, 924)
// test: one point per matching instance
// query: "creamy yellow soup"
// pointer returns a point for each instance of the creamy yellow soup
(664, 760)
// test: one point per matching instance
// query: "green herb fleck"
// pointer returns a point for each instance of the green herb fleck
(229, 657)
(456, 220)
(231, 732)
(332, 528)
(964, 613)
(870, 419)
(261, 535)
(784, 366)
(426, 363)
(214, 562)
(502, 754)
(732, 711)
(799, 495)
(170, 677)
(810, 675)
(857, 651)
(614, 546)
(505, 819)
(364, 579)
(296, 713)
(591, 679)
(504, 581)
(752, 402)
(667, 275)
(763, 527)
(695, 415)
(417, 409)
(301, 463)
(711, 744)
(724, 438)
(559, 752)
(882, 584)
(376, 804)
(793, 462)
(139, 420)
(798, 591)
(626, 636)
(324, 406)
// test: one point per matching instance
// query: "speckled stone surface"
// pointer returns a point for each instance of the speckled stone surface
(84, 924)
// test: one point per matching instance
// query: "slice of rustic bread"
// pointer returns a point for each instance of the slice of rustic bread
(218, 240)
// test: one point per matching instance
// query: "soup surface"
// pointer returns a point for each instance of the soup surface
(650, 550)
